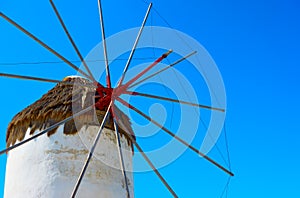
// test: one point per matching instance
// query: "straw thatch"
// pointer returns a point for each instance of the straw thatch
(59, 103)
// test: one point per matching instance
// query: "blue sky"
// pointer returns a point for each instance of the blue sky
(256, 47)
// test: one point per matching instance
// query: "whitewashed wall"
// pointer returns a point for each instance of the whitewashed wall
(49, 166)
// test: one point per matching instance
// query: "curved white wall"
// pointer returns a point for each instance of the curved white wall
(48, 167)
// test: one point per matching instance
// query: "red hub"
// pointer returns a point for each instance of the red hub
(102, 97)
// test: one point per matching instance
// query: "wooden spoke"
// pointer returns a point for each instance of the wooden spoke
(135, 44)
(108, 81)
(175, 136)
(43, 79)
(72, 41)
(29, 78)
(162, 70)
(123, 168)
(134, 93)
(165, 55)
(45, 131)
(153, 167)
(84, 168)
(44, 45)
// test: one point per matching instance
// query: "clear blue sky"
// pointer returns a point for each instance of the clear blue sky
(256, 47)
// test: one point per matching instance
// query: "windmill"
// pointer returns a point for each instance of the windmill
(103, 100)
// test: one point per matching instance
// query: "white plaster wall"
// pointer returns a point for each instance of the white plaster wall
(49, 166)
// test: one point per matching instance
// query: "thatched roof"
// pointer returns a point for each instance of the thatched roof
(57, 105)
